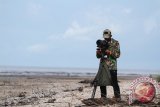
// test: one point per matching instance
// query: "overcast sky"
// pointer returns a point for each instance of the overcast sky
(62, 33)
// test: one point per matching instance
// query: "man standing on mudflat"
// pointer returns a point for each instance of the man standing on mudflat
(109, 56)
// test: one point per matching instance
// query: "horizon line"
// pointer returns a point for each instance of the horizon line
(45, 67)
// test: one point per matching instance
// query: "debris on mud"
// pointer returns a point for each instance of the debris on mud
(22, 94)
(80, 89)
(19, 101)
(51, 101)
(87, 81)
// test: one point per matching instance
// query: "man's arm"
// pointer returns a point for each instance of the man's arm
(115, 51)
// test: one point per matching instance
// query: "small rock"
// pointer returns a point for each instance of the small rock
(51, 101)
(23, 102)
(80, 89)
(33, 99)
(22, 94)
(6, 104)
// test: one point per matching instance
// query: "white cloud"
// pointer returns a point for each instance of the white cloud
(75, 31)
(100, 19)
(37, 48)
(150, 25)
(99, 15)
(127, 10)
(34, 9)
(116, 28)
(106, 18)
(55, 37)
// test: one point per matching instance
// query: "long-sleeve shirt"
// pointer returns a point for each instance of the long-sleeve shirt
(111, 59)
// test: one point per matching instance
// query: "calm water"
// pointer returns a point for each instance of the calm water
(65, 71)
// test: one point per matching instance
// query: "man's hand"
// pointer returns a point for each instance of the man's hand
(99, 52)
(108, 52)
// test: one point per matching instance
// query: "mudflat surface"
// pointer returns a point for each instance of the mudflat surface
(54, 91)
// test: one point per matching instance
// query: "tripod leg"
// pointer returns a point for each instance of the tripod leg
(94, 91)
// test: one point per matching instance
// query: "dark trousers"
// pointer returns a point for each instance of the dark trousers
(114, 84)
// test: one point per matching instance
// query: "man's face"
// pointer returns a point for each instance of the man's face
(107, 36)
(108, 39)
